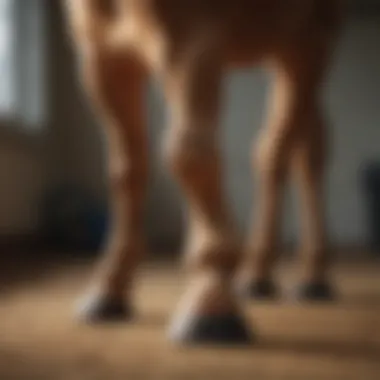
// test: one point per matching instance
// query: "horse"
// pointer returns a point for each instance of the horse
(188, 46)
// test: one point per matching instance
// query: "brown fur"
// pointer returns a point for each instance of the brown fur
(187, 45)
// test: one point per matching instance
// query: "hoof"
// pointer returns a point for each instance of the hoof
(260, 290)
(315, 292)
(229, 329)
(98, 309)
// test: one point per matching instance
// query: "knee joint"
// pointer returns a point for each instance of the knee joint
(272, 156)
(187, 149)
(127, 175)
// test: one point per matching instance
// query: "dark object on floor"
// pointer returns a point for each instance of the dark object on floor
(371, 188)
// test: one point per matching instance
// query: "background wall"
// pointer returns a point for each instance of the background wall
(22, 182)
(74, 150)
(352, 95)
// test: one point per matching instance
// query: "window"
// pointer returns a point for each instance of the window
(7, 43)
(22, 62)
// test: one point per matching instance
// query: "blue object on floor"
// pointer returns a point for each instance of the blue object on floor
(74, 220)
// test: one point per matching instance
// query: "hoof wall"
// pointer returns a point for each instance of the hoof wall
(212, 329)
(102, 309)
(261, 290)
(315, 292)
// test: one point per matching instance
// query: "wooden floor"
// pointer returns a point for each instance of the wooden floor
(39, 339)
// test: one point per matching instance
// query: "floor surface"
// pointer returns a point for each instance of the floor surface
(39, 339)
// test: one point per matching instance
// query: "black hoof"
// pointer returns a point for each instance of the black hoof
(97, 309)
(260, 290)
(315, 291)
(229, 329)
